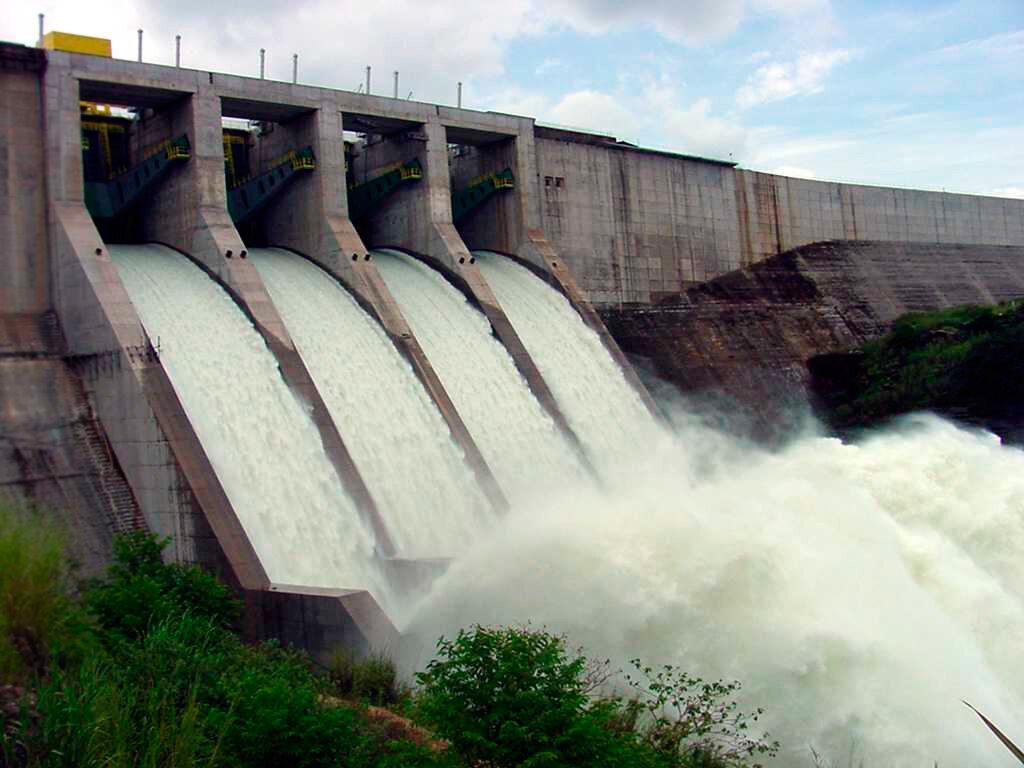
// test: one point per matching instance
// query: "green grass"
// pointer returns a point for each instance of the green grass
(38, 620)
(964, 359)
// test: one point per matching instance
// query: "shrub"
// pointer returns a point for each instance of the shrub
(37, 619)
(515, 697)
(373, 678)
(694, 721)
(141, 590)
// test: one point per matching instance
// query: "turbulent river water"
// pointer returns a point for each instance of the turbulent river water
(858, 590)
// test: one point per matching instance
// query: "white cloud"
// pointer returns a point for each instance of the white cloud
(693, 128)
(596, 111)
(790, 7)
(783, 80)
(1017, 192)
(517, 101)
(693, 21)
(650, 113)
(795, 171)
(1006, 45)
(689, 22)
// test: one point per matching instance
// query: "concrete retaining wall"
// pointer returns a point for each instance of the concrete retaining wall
(638, 226)
(24, 278)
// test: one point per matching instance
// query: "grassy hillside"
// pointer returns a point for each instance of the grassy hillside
(966, 362)
(144, 669)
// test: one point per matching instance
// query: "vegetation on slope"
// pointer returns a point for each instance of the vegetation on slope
(966, 362)
(142, 668)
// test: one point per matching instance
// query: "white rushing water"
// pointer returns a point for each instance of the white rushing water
(259, 437)
(602, 408)
(525, 450)
(859, 591)
(427, 495)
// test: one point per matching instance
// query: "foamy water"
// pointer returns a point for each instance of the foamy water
(858, 591)
(396, 435)
(602, 408)
(520, 442)
(259, 437)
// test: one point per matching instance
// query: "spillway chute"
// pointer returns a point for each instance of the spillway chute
(521, 443)
(605, 412)
(418, 476)
(258, 435)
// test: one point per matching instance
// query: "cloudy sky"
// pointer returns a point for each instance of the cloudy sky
(919, 93)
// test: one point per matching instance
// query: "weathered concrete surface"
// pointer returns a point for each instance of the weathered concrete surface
(54, 453)
(147, 427)
(637, 226)
(418, 218)
(320, 620)
(171, 476)
(311, 218)
(747, 335)
(24, 280)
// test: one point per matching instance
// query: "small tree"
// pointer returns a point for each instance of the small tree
(697, 721)
(502, 696)
(510, 696)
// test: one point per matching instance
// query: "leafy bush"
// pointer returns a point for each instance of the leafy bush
(693, 720)
(514, 697)
(503, 696)
(962, 361)
(141, 590)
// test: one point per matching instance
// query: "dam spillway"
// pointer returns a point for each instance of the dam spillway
(520, 442)
(704, 554)
(605, 412)
(427, 495)
(259, 437)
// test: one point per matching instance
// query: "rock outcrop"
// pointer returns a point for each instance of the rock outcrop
(748, 334)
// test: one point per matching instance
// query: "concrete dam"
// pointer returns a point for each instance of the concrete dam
(326, 341)
(324, 424)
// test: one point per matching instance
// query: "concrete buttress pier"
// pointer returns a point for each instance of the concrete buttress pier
(130, 390)
(311, 218)
(419, 219)
(189, 212)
